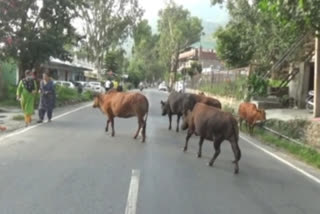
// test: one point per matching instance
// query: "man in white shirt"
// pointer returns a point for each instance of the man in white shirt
(107, 85)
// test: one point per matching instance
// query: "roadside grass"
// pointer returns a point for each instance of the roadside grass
(9, 103)
(303, 153)
(18, 117)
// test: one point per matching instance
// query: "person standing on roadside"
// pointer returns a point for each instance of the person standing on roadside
(107, 85)
(47, 97)
(26, 93)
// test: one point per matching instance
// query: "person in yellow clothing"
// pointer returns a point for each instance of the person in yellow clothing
(115, 84)
(26, 94)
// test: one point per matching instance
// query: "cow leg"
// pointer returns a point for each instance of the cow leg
(251, 129)
(140, 123)
(112, 126)
(144, 126)
(107, 126)
(170, 120)
(216, 144)
(240, 122)
(178, 121)
(189, 134)
(200, 147)
(237, 155)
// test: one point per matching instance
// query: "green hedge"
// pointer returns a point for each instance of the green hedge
(236, 89)
(68, 95)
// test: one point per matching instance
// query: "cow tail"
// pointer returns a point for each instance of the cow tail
(236, 133)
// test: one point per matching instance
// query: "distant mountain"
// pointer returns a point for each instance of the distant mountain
(207, 40)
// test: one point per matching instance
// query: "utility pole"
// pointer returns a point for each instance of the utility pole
(316, 112)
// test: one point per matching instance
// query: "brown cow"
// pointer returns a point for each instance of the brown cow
(251, 114)
(124, 105)
(213, 124)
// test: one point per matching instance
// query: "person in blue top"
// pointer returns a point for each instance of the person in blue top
(47, 98)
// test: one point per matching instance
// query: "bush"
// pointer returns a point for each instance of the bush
(294, 129)
(128, 86)
(236, 89)
(67, 95)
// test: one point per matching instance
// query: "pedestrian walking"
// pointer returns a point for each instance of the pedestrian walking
(26, 93)
(47, 97)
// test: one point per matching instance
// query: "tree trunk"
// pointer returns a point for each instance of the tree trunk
(174, 68)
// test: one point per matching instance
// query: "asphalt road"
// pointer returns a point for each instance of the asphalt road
(73, 166)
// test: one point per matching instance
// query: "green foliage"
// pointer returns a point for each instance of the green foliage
(144, 64)
(178, 30)
(254, 35)
(108, 24)
(228, 108)
(304, 13)
(18, 117)
(236, 89)
(230, 39)
(68, 95)
(274, 83)
(293, 128)
(257, 86)
(196, 68)
(32, 32)
(115, 61)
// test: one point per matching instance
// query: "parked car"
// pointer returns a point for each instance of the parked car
(66, 84)
(95, 87)
(163, 87)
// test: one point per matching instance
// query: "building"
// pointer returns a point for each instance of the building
(206, 57)
(67, 71)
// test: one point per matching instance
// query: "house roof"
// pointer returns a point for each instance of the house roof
(198, 53)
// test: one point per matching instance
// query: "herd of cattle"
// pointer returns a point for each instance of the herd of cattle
(202, 116)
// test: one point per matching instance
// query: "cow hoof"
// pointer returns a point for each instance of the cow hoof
(112, 135)
(177, 130)
(236, 171)
(135, 137)
(199, 156)
(210, 164)
(185, 149)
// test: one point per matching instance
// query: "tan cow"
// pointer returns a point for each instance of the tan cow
(124, 105)
(251, 114)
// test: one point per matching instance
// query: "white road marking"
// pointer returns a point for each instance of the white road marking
(132, 200)
(303, 172)
(40, 124)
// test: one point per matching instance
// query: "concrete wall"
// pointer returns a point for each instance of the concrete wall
(298, 87)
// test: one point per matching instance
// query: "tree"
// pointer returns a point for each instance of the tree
(108, 24)
(254, 36)
(178, 30)
(33, 30)
(114, 60)
(144, 64)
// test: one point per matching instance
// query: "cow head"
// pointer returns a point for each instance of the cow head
(96, 101)
(164, 108)
(186, 120)
(261, 115)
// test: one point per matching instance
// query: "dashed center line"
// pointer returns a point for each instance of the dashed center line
(132, 200)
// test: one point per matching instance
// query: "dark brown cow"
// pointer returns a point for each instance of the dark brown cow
(251, 114)
(124, 105)
(213, 124)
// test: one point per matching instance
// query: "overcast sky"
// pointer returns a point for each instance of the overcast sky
(200, 8)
